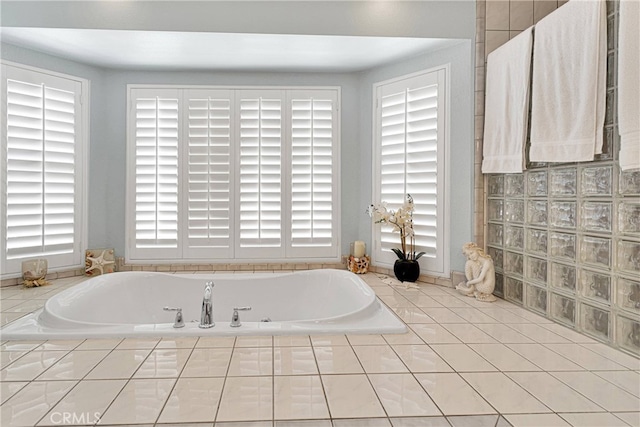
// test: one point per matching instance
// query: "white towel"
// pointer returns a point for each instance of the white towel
(569, 83)
(507, 105)
(629, 84)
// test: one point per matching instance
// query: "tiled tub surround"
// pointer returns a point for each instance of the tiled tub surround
(462, 363)
(565, 237)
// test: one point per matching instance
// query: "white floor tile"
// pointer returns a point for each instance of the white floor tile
(294, 361)
(74, 366)
(328, 340)
(413, 315)
(468, 333)
(434, 334)
(451, 301)
(503, 358)
(250, 361)
(402, 396)
(585, 358)
(337, 360)
(119, 364)
(299, 397)
(31, 403)
(553, 393)
(424, 301)
(473, 420)
(215, 342)
(615, 355)
(421, 358)
(8, 389)
(626, 380)
(504, 316)
(600, 391)
(453, 395)
(462, 358)
(207, 362)
(193, 400)
(504, 394)
(631, 418)
(544, 358)
(139, 402)
(379, 358)
(366, 340)
(503, 333)
(246, 399)
(351, 396)
(537, 420)
(87, 399)
(254, 342)
(138, 343)
(473, 315)
(362, 422)
(173, 343)
(538, 333)
(31, 365)
(292, 341)
(99, 344)
(443, 315)
(8, 357)
(408, 337)
(568, 333)
(593, 420)
(163, 363)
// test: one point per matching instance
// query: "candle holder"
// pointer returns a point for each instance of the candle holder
(34, 272)
(359, 265)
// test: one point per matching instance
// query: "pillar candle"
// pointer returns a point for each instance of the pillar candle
(358, 249)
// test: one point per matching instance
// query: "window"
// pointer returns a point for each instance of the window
(223, 173)
(43, 146)
(409, 158)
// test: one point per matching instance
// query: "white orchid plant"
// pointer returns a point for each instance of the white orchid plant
(402, 221)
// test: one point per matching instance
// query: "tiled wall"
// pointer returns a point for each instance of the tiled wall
(565, 238)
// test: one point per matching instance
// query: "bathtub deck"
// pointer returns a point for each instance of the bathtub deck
(463, 363)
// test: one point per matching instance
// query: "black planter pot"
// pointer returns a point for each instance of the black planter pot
(406, 270)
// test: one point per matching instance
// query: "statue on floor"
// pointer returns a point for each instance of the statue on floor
(480, 274)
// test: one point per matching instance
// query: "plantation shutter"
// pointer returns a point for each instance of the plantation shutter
(260, 173)
(313, 136)
(43, 167)
(156, 127)
(410, 132)
(207, 187)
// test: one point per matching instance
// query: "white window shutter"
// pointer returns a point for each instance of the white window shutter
(410, 128)
(44, 170)
(209, 168)
(156, 134)
(260, 173)
(313, 172)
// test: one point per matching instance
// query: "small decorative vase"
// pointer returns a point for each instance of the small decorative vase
(406, 270)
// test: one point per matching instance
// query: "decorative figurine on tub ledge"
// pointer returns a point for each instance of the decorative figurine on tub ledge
(480, 274)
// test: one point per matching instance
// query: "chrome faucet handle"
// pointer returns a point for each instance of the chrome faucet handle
(235, 317)
(206, 315)
(179, 322)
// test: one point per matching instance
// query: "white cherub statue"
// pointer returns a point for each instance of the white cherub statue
(480, 274)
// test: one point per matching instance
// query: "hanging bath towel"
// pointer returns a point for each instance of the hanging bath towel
(507, 105)
(569, 83)
(629, 84)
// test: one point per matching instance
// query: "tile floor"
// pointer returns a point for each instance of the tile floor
(463, 363)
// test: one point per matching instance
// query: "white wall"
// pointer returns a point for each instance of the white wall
(439, 19)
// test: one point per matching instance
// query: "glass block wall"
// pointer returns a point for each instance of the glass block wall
(565, 238)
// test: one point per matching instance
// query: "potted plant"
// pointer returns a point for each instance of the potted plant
(406, 267)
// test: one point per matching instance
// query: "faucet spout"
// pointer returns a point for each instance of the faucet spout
(206, 316)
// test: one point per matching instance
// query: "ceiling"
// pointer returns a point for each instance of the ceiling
(170, 50)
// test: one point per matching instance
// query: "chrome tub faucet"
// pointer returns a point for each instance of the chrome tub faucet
(206, 316)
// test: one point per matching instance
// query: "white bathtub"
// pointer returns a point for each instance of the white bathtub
(130, 304)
